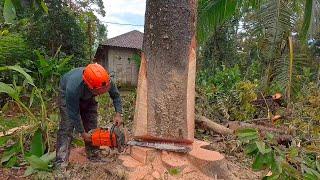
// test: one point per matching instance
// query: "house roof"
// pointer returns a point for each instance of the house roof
(132, 39)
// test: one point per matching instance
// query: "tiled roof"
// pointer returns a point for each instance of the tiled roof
(132, 39)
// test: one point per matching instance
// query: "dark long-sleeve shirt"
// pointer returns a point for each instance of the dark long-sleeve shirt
(73, 90)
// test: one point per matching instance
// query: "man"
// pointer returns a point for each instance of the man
(78, 108)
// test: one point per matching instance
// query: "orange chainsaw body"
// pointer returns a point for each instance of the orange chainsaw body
(102, 137)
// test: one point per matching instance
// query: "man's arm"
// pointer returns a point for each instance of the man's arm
(116, 98)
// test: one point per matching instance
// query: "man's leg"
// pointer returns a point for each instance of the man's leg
(89, 116)
(64, 136)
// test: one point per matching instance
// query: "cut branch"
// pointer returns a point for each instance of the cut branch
(207, 123)
(13, 130)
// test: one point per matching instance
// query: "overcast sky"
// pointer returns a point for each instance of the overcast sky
(123, 12)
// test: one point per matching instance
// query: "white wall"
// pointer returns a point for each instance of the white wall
(121, 66)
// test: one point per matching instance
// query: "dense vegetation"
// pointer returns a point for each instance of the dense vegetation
(254, 49)
(248, 50)
(40, 41)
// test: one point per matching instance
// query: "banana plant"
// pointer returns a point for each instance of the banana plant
(36, 157)
(50, 69)
(13, 91)
(212, 13)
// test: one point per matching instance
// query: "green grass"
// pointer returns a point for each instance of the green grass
(7, 123)
(174, 171)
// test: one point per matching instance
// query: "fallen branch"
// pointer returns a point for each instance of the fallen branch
(218, 128)
(11, 131)
(281, 134)
(234, 125)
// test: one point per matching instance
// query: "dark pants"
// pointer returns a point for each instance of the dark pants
(88, 113)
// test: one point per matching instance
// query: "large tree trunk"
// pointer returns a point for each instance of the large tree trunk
(166, 87)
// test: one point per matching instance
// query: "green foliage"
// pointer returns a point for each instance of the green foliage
(11, 7)
(72, 31)
(37, 147)
(14, 50)
(42, 163)
(284, 163)
(8, 157)
(306, 114)
(212, 13)
(223, 80)
(9, 12)
(59, 29)
(243, 95)
(137, 59)
(17, 68)
(37, 158)
(225, 95)
(50, 69)
(78, 142)
(220, 50)
(307, 18)
(106, 109)
(9, 123)
(174, 171)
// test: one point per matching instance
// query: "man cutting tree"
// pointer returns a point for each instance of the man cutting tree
(78, 108)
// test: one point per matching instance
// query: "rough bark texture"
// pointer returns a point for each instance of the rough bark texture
(169, 48)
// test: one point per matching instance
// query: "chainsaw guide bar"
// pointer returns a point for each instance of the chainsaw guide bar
(161, 146)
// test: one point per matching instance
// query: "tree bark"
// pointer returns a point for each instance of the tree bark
(165, 109)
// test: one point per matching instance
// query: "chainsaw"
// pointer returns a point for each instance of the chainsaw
(116, 137)
(113, 137)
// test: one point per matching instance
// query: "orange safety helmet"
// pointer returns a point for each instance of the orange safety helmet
(96, 77)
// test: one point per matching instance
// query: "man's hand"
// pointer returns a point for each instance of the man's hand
(117, 120)
(86, 137)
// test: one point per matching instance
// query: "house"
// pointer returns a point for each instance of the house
(118, 56)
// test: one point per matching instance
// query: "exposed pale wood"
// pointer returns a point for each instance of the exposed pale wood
(11, 131)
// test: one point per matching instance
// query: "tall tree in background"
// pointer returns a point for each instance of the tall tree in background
(49, 25)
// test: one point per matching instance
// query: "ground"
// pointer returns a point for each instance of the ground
(80, 168)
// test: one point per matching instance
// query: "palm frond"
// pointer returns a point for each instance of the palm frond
(274, 21)
(287, 68)
(212, 13)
